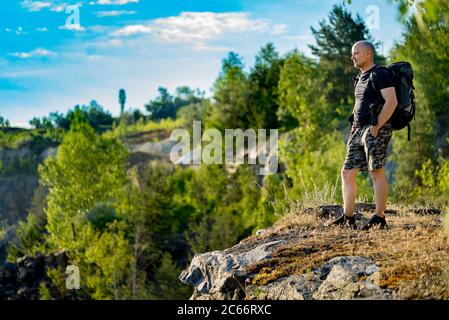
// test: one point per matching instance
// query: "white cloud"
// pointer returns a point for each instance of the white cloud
(39, 52)
(113, 2)
(113, 13)
(299, 37)
(115, 43)
(203, 47)
(278, 29)
(35, 5)
(52, 5)
(19, 31)
(201, 26)
(206, 25)
(8, 30)
(132, 30)
(99, 29)
(73, 27)
(43, 29)
(59, 7)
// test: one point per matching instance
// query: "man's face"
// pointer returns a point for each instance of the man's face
(360, 56)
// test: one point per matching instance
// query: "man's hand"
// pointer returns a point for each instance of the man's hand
(374, 130)
(390, 104)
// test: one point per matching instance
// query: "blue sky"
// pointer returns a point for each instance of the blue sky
(50, 61)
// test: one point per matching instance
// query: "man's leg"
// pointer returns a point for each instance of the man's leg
(349, 188)
(354, 162)
(380, 183)
(376, 150)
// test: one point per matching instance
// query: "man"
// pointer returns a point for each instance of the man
(368, 142)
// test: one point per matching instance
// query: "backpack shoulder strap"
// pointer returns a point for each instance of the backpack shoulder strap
(371, 78)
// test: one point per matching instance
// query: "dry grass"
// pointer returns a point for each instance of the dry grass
(413, 254)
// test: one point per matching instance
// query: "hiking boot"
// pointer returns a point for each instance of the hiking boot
(345, 221)
(374, 222)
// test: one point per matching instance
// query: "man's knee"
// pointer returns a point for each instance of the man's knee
(348, 174)
(377, 174)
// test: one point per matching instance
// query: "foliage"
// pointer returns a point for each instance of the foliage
(425, 45)
(4, 123)
(122, 100)
(230, 108)
(106, 261)
(123, 130)
(88, 169)
(263, 79)
(93, 113)
(131, 230)
(248, 99)
(166, 283)
(433, 180)
(165, 105)
(28, 240)
(334, 41)
(14, 139)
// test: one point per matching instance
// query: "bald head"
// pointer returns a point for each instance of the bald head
(366, 45)
(363, 54)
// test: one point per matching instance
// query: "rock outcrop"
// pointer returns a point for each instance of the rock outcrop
(21, 280)
(301, 257)
(221, 275)
(341, 278)
(16, 194)
(19, 179)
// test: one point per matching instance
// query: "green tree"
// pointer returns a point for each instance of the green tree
(28, 240)
(334, 40)
(227, 206)
(89, 170)
(425, 45)
(158, 218)
(263, 83)
(4, 123)
(93, 113)
(30, 233)
(36, 123)
(231, 95)
(313, 153)
(122, 100)
(111, 254)
(59, 120)
(165, 105)
(166, 285)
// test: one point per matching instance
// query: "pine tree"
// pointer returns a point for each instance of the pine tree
(122, 100)
(231, 91)
(263, 82)
(334, 41)
(86, 184)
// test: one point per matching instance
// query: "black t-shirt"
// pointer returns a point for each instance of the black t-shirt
(365, 95)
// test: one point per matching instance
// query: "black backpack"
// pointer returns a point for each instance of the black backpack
(404, 113)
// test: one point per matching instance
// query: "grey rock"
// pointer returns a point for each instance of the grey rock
(21, 280)
(221, 273)
(294, 287)
(16, 193)
(340, 278)
(349, 278)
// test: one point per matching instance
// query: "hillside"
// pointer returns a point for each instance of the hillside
(300, 257)
(19, 178)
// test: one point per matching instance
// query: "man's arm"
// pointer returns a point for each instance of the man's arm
(389, 95)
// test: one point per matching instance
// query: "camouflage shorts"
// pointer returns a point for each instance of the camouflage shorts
(365, 151)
